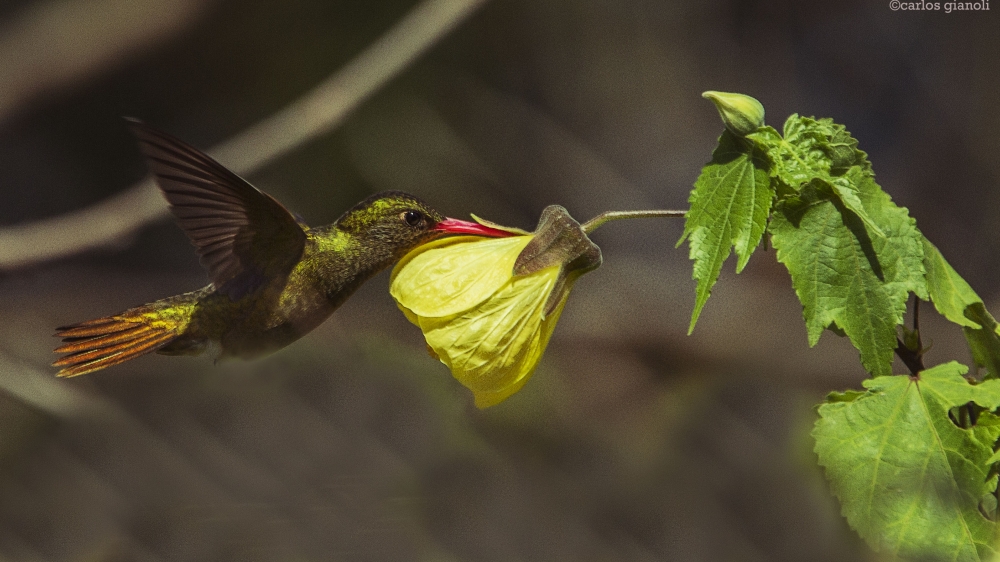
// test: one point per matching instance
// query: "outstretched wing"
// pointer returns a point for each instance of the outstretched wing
(243, 236)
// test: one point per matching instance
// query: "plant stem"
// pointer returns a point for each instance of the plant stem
(607, 216)
(912, 358)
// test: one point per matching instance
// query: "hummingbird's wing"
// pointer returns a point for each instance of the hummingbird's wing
(243, 236)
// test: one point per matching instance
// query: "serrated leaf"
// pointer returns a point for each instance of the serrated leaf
(832, 273)
(729, 208)
(901, 251)
(845, 277)
(817, 151)
(810, 149)
(908, 479)
(842, 274)
(796, 155)
(822, 146)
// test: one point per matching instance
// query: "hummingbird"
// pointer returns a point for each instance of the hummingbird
(273, 278)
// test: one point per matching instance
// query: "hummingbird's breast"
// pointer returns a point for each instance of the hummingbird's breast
(331, 269)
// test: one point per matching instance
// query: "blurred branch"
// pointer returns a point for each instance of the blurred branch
(54, 43)
(44, 392)
(312, 115)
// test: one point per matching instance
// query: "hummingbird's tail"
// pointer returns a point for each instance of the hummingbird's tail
(96, 344)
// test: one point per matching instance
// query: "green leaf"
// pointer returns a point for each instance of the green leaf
(849, 196)
(814, 150)
(908, 479)
(901, 251)
(729, 207)
(832, 273)
(843, 276)
(955, 300)
(854, 256)
(846, 396)
(984, 342)
(949, 292)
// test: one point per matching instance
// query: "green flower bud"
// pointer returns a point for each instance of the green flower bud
(741, 114)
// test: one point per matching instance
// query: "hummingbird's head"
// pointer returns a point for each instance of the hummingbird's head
(398, 222)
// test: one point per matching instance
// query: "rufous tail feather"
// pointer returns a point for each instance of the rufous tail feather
(96, 344)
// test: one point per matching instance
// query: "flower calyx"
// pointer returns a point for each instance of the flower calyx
(558, 240)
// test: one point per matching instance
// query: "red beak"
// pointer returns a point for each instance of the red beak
(456, 226)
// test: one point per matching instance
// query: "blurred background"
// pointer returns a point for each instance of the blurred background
(633, 441)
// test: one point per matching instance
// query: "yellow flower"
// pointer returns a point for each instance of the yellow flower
(488, 306)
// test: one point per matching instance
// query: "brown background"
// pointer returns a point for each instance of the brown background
(632, 442)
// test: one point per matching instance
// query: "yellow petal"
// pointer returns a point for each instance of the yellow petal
(449, 276)
(510, 229)
(494, 347)
(491, 397)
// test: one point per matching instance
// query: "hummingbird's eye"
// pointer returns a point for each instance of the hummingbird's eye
(412, 218)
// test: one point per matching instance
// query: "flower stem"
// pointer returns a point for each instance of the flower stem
(607, 216)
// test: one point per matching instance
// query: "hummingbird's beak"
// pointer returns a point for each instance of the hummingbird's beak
(457, 226)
